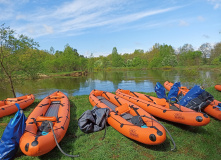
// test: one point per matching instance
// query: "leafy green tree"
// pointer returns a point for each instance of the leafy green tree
(31, 63)
(216, 54)
(69, 59)
(187, 55)
(129, 63)
(169, 60)
(98, 64)
(105, 62)
(12, 46)
(154, 52)
(91, 61)
(58, 53)
(161, 52)
(190, 58)
(82, 63)
(136, 62)
(117, 60)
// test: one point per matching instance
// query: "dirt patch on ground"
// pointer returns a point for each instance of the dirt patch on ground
(77, 74)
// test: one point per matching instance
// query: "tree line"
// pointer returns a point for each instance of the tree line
(162, 55)
(20, 55)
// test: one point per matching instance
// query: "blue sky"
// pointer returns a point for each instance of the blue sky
(96, 26)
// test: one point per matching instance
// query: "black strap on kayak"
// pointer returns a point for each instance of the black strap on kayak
(117, 100)
(74, 156)
(149, 97)
(135, 109)
(134, 94)
(165, 129)
(106, 95)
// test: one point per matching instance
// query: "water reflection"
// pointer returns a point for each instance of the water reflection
(141, 81)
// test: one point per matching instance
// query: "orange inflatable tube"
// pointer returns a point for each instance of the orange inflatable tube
(54, 108)
(218, 87)
(212, 109)
(122, 113)
(162, 109)
(8, 107)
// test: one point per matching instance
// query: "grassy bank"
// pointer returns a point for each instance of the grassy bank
(199, 67)
(192, 142)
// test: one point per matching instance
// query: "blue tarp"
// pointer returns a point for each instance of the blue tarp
(193, 93)
(174, 91)
(160, 90)
(9, 142)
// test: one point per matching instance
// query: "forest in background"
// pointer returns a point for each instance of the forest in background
(21, 56)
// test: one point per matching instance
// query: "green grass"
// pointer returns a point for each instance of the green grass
(192, 142)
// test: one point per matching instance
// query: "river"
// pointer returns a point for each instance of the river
(139, 80)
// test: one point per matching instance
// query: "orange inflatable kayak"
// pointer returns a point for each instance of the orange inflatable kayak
(8, 107)
(38, 138)
(123, 112)
(218, 87)
(165, 110)
(212, 109)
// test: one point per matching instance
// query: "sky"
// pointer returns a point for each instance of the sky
(96, 26)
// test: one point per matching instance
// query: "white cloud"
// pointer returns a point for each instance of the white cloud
(74, 17)
(20, 17)
(48, 29)
(183, 23)
(201, 18)
(216, 3)
(4, 1)
(30, 30)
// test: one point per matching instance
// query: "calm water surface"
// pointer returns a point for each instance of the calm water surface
(141, 81)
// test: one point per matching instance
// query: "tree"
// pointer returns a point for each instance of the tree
(69, 59)
(206, 50)
(90, 63)
(52, 50)
(186, 48)
(117, 60)
(11, 48)
(187, 56)
(169, 61)
(216, 54)
(161, 52)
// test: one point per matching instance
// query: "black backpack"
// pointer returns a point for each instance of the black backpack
(200, 102)
(93, 120)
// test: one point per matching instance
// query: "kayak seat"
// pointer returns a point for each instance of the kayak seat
(53, 109)
(42, 118)
(123, 112)
(175, 108)
(122, 109)
(11, 99)
(50, 115)
(125, 115)
(108, 103)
